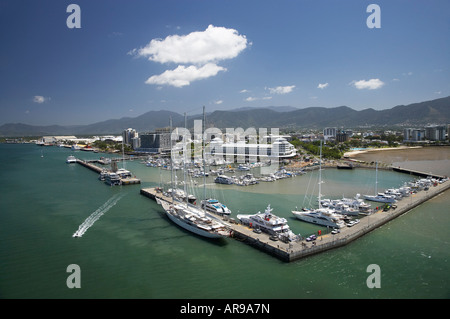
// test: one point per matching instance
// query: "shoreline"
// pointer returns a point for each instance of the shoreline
(353, 153)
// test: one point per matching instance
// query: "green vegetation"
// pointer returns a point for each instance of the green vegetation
(328, 151)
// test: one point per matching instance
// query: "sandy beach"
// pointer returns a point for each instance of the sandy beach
(354, 153)
(434, 159)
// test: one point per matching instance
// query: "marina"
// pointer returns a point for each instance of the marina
(133, 232)
(289, 251)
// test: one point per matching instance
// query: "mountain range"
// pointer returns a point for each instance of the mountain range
(412, 115)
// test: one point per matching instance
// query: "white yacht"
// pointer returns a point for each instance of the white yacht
(320, 216)
(113, 179)
(356, 203)
(190, 217)
(71, 159)
(242, 167)
(75, 147)
(223, 179)
(194, 220)
(123, 173)
(269, 223)
(214, 206)
(381, 198)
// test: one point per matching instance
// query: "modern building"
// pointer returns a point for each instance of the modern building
(128, 136)
(155, 142)
(280, 148)
(329, 133)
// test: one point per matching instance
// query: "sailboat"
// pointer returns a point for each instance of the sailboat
(321, 216)
(379, 197)
(191, 217)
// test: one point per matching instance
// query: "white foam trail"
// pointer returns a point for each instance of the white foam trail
(97, 214)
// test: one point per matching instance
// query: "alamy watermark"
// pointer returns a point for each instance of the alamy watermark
(374, 279)
(236, 145)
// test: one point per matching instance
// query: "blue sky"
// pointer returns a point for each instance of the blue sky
(221, 54)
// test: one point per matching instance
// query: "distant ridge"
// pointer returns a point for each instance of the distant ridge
(416, 114)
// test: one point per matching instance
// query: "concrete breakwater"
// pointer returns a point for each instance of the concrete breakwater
(292, 251)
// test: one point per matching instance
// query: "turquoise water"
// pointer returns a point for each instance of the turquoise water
(134, 251)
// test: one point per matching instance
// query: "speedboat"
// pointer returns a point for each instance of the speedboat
(214, 206)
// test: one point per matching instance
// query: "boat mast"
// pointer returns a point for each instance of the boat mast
(171, 161)
(204, 165)
(376, 179)
(320, 175)
(184, 160)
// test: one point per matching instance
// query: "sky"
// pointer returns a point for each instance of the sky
(130, 57)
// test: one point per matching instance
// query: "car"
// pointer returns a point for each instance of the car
(257, 230)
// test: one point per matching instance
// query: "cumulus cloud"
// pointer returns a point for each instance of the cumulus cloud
(40, 99)
(371, 84)
(281, 89)
(182, 76)
(322, 86)
(200, 47)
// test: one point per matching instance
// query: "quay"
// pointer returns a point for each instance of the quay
(292, 251)
(92, 167)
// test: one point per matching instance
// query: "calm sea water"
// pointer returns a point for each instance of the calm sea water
(134, 251)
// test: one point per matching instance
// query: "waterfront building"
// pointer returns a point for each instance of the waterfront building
(155, 142)
(128, 135)
(280, 148)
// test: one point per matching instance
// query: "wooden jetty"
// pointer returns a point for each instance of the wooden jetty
(292, 251)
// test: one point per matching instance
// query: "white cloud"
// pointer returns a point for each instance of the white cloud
(371, 84)
(251, 98)
(322, 86)
(182, 76)
(281, 89)
(243, 91)
(200, 47)
(40, 99)
(218, 102)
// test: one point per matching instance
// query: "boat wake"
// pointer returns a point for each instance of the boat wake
(96, 215)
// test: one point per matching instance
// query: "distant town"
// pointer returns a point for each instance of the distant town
(336, 141)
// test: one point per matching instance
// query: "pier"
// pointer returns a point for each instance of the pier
(292, 251)
(92, 167)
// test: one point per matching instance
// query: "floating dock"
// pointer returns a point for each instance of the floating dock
(296, 250)
(92, 167)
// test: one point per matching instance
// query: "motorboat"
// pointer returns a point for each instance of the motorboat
(216, 207)
(320, 216)
(268, 223)
(242, 167)
(381, 198)
(113, 179)
(71, 159)
(223, 179)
